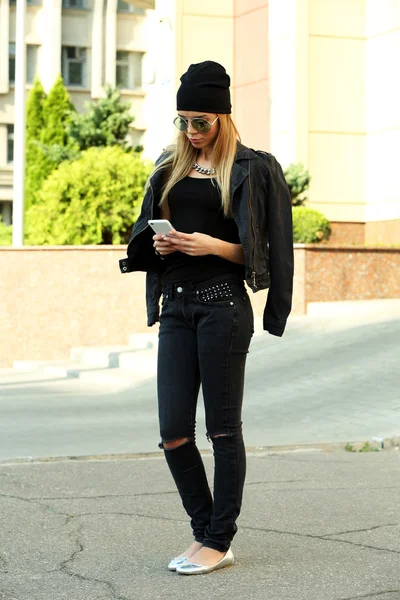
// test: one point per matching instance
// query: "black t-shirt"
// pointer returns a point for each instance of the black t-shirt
(195, 205)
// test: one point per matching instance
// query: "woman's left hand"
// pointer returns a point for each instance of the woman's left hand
(194, 244)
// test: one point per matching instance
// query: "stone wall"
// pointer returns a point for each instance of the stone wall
(55, 298)
(340, 273)
(374, 233)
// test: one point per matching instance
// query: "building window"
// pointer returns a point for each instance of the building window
(129, 8)
(136, 137)
(129, 70)
(11, 62)
(10, 143)
(74, 65)
(74, 3)
(31, 62)
(32, 2)
(6, 212)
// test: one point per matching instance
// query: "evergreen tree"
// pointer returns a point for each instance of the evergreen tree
(48, 118)
(57, 114)
(34, 127)
(105, 122)
(34, 111)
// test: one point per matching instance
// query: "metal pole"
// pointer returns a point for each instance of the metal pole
(19, 126)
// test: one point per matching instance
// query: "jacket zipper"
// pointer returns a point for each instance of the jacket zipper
(254, 286)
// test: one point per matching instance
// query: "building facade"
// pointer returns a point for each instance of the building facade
(317, 82)
(91, 43)
(313, 81)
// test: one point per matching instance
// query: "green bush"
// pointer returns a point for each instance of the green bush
(5, 234)
(298, 179)
(309, 226)
(92, 200)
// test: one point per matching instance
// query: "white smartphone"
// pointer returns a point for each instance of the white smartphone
(160, 225)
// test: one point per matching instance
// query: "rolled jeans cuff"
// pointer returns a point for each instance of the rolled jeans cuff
(215, 546)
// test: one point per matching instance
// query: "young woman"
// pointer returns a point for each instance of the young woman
(230, 209)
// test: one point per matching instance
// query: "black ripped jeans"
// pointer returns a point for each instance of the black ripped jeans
(204, 337)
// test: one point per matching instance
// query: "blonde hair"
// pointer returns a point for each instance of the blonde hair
(182, 155)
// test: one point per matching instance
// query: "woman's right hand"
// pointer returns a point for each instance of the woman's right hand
(162, 244)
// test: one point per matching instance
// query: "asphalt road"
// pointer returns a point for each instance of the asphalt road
(333, 377)
(313, 526)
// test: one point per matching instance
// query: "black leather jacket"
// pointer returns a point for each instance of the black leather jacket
(262, 208)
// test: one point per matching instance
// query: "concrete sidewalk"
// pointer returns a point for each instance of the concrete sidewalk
(314, 526)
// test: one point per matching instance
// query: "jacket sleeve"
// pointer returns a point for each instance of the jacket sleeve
(281, 257)
(153, 293)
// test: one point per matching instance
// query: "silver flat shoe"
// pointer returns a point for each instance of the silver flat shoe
(189, 568)
(176, 562)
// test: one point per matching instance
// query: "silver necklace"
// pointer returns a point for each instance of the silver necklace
(202, 170)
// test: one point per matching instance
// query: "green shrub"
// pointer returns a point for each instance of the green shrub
(367, 447)
(298, 179)
(309, 226)
(349, 448)
(5, 234)
(92, 200)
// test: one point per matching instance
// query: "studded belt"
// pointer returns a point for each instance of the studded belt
(207, 291)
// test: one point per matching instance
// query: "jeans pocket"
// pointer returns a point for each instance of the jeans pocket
(220, 294)
(217, 303)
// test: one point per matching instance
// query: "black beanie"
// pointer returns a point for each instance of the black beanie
(205, 87)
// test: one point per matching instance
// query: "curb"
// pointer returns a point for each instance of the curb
(387, 444)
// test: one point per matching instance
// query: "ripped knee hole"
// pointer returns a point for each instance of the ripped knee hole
(174, 444)
(211, 436)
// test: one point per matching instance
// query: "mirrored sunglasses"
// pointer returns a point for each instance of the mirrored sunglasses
(201, 125)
